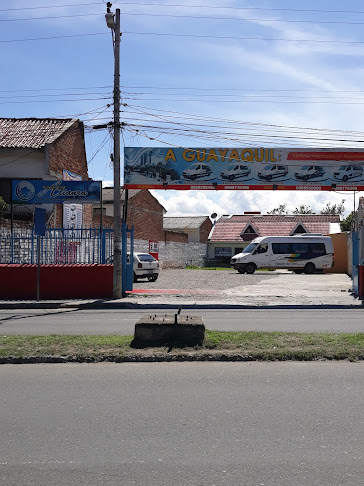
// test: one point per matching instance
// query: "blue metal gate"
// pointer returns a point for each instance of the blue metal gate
(355, 241)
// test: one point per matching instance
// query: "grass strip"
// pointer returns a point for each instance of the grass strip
(266, 346)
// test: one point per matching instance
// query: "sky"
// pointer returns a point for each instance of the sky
(230, 73)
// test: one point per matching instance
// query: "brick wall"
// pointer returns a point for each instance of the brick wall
(68, 152)
(205, 230)
(146, 215)
(177, 237)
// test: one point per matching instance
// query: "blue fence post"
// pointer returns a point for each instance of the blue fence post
(103, 245)
(355, 271)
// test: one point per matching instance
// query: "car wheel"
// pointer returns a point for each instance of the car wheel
(231, 177)
(135, 278)
(193, 177)
(241, 270)
(305, 178)
(345, 178)
(269, 177)
(250, 268)
(152, 278)
(309, 268)
(298, 272)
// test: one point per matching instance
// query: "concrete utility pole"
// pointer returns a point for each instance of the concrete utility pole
(113, 22)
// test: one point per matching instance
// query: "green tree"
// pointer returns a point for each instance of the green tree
(282, 209)
(334, 208)
(303, 209)
(347, 223)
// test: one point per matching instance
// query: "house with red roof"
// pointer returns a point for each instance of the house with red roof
(41, 148)
(231, 234)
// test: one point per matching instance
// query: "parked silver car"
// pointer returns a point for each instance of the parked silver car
(144, 266)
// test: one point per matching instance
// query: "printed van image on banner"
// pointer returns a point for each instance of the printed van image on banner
(244, 168)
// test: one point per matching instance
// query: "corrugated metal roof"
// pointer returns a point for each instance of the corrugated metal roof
(179, 223)
(31, 132)
(108, 194)
(229, 229)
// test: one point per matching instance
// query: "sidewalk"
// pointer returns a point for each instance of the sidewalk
(282, 290)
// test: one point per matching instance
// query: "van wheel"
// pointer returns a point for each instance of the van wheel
(297, 271)
(269, 177)
(250, 268)
(134, 278)
(231, 177)
(345, 178)
(152, 278)
(241, 270)
(309, 268)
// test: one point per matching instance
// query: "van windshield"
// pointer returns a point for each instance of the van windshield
(250, 248)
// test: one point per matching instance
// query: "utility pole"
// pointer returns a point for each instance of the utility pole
(113, 22)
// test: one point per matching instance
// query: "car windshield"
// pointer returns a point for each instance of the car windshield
(250, 248)
(268, 167)
(144, 257)
(343, 167)
(305, 167)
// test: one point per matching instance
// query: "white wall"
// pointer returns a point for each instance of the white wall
(23, 163)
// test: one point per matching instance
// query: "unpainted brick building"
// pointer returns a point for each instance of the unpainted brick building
(41, 148)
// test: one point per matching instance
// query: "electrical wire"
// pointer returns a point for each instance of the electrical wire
(265, 39)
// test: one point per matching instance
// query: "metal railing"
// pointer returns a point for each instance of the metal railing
(58, 246)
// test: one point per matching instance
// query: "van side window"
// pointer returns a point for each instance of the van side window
(300, 247)
(282, 248)
(318, 248)
(263, 248)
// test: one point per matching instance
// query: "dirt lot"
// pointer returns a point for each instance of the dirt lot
(261, 288)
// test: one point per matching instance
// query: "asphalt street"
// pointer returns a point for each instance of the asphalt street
(122, 321)
(180, 424)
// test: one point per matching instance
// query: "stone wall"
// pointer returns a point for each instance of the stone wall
(174, 254)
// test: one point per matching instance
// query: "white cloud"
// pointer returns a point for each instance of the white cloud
(195, 203)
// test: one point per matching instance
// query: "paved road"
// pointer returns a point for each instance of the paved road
(73, 321)
(182, 424)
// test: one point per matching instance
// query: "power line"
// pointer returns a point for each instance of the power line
(236, 122)
(197, 36)
(52, 6)
(200, 17)
(239, 19)
(52, 89)
(279, 39)
(274, 9)
(53, 37)
(52, 101)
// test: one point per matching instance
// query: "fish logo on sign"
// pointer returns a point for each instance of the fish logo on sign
(25, 191)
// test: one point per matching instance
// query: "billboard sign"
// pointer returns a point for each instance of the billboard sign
(244, 168)
(40, 192)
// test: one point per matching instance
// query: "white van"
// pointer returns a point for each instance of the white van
(309, 172)
(197, 170)
(272, 171)
(302, 253)
(235, 170)
(346, 172)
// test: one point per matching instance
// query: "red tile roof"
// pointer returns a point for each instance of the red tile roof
(230, 228)
(31, 132)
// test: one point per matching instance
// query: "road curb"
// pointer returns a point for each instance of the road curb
(164, 306)
(167, 358)
(157, 305)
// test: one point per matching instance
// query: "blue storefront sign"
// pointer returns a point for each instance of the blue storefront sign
(39, 191)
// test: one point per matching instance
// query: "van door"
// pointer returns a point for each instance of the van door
(261, 256)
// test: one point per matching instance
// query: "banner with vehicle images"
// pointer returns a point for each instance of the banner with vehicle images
(322, 169)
